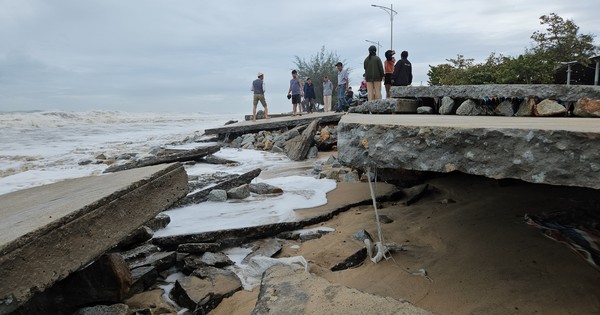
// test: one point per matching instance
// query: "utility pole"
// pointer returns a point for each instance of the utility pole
(391, 12)
(375, 43)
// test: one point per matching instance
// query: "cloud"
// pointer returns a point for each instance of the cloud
(156, 55)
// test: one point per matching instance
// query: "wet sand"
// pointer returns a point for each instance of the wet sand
(479, 255)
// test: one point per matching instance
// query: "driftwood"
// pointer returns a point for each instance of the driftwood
(202, 195)
(188, 155)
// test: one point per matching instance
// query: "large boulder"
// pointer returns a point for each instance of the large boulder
(470, 108)
(505, 109)
(240, 192)
(526, 107)
(549, 107)
(447, 106)
(586, 107)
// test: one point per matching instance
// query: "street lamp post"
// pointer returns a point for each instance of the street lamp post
(391, 12)
(375, 43)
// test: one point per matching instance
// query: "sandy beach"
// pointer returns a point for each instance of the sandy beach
(469, 235)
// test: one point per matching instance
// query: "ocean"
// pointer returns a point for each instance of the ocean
(38, 148)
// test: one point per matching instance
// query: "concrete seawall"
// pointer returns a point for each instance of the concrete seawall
(52, 230)
(557, 151)
(554, 91)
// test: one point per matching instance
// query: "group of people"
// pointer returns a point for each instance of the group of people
(296, 92)
(390, 72)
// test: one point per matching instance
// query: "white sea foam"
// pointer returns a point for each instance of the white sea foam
(299, 192)
(44, 147)
(50, 146)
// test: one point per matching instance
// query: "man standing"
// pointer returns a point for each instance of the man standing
(342, 87)
(373, 74)
(309, 95)
(327, 91)
(402, 71)
(258, 87)
(295, 93)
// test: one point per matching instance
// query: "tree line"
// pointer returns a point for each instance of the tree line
(560, 42)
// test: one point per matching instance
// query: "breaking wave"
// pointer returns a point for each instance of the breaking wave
(52, 119)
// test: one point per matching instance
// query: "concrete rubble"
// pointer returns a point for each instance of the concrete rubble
(51, 231)
(285, 291)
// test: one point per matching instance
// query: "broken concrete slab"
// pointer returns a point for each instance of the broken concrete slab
(569, 93)
(285, 291)
(52, 230)
(243, 127)
(203, 295)
(159, 260)
(344, 197)
(265, 247)
(387, 106)
(557, 151)
(202, 195)
(106, 280)
(198, 248)
(180, 156)
(297, 148)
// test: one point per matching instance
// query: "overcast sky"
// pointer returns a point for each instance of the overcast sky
(201, 56)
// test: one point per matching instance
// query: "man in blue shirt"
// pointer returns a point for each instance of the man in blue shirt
(295, 93)
(342, 87)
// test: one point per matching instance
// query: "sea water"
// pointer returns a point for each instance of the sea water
(38, 148)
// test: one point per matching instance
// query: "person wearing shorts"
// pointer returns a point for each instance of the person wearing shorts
(296, 93)
(258, 87)
(388, 69)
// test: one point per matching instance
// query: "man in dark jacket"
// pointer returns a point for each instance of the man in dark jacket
(402, 71)
(309, 96)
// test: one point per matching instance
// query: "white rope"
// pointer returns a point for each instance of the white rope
(382, 250)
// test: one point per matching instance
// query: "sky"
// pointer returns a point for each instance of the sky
(202, 56)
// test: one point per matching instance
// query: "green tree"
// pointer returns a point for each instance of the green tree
(560, 42)
(452, 73)
(319, 65)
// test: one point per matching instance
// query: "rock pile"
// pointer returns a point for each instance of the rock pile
(317, 138)
(513, 106)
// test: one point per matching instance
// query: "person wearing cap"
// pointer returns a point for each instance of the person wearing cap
(309, 96)
(373, 74)
(258, 87)
(342, 87)
(295, 93)
(388, 69)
